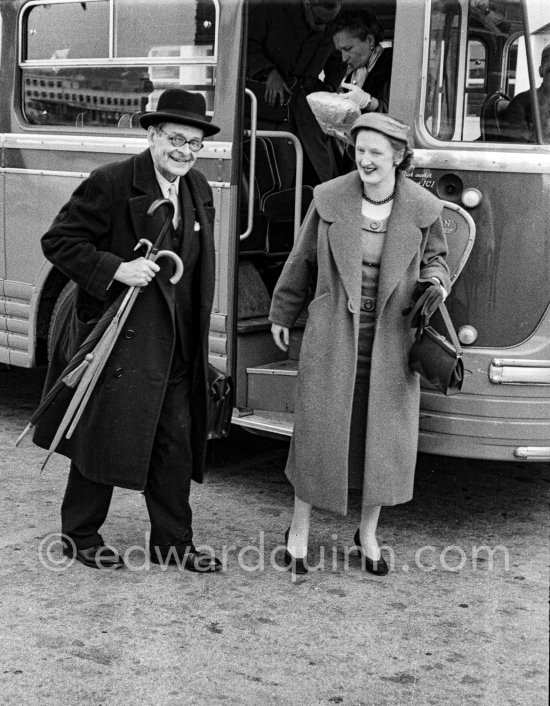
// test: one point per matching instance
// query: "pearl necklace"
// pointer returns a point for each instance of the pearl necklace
(379, 203)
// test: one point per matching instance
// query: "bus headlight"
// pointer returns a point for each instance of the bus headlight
(471, 197)
(467, 335)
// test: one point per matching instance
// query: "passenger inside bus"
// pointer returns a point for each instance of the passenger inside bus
(289, 47)
(519, 115)
(358, 38)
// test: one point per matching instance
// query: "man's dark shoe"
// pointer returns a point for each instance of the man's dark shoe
(190, 559)
(98, 557)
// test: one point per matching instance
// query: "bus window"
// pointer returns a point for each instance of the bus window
(477, 63)
(475, 90)
(54, 31)
(101, 63)
(441, 93)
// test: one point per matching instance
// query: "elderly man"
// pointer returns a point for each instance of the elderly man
(289, 46)
(144, 427)
(519, 114)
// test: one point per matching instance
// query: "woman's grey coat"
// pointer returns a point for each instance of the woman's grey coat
(330, 241)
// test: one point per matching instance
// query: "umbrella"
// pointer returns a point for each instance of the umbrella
(83, 370)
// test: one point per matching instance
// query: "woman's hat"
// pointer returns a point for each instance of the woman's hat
(176, 105)
(381, 123)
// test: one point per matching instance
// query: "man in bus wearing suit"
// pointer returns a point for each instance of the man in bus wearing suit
(144, 426)
(519, 114)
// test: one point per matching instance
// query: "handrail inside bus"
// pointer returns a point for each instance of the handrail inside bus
(253, 133)
(252, 166)
(531, 71)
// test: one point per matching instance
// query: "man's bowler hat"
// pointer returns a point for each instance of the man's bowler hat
(176, 105)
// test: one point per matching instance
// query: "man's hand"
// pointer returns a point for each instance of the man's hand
(136, 273)
(280, 336)
(275, 88)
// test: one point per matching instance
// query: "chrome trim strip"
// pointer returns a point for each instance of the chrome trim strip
(519, 372)
(540, 453)
(43, 172)
(271, 371)
(82, 175)
(485, 158)
(121, 61)
(88, 143)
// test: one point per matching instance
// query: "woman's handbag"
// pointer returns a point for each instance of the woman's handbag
(438, 359)
(220, 403)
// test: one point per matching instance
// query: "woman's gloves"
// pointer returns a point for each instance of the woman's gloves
(427, 296)
(357, 95)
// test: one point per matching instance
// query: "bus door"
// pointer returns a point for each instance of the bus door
(277, 188)
(482, 133)
(75, 78)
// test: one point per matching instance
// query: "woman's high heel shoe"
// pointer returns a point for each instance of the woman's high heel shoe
(378, 568)
(299, 566)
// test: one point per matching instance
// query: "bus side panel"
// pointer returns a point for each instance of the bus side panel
(502, 295)
(28, 216)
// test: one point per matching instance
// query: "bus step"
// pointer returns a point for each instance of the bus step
(265, 422)
(272, 387)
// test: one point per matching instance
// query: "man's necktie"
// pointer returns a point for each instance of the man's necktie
(172, 195)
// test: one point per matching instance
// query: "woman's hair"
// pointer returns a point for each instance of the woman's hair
(408, 155)
(358, 24)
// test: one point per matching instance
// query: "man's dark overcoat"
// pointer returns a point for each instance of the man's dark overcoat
(94, 232)
(415, 248)
(280, 37)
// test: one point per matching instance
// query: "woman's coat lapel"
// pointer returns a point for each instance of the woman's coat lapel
(340, 207)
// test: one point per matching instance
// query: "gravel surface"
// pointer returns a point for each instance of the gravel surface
(451, 624)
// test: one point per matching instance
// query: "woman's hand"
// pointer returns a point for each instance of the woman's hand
(427, 297)
(136, 273)
(280, 336)
(357, 95)
(275, 88)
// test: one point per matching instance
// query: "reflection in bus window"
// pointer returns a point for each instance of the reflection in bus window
(98, 96)
(477, 63)
(164, 41)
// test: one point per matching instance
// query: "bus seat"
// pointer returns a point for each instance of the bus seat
(492, 116)
(461, 232)
(81, 119)
(267, 178)
(279, 208)
(129, 121)
(253, 300)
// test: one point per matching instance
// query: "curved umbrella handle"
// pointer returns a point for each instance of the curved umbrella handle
(176, 259)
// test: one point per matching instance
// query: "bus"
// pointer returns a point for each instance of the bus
(76, 75)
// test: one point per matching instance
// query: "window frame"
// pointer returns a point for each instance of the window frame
(175, 62)
(426, 135)
(111, 60)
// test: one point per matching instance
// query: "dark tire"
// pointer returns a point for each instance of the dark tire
(60, 313)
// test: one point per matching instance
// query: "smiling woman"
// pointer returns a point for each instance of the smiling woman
(356, 365)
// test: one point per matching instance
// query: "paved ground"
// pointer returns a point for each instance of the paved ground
(451, 624)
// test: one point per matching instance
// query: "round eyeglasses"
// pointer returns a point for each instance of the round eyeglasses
(179, 141)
